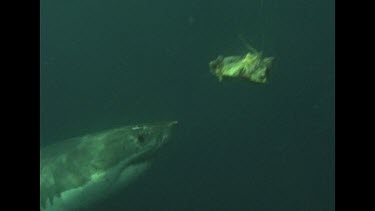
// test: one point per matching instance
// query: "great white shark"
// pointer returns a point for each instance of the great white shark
(80, 171)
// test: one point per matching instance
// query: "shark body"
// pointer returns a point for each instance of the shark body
(80, 171)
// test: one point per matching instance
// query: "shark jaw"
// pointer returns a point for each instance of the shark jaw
(101, 186)
(90, 168)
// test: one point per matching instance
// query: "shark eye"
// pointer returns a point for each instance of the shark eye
(141, 138)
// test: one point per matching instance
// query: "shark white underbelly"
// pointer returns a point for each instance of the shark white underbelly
(78, 172)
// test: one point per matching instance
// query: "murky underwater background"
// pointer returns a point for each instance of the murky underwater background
(238, 146)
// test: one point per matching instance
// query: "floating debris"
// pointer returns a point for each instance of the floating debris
(252, 67)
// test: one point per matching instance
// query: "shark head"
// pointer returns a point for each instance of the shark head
(130, 145)
(79, 171)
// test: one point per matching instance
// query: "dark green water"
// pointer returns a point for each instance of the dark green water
(238, 146)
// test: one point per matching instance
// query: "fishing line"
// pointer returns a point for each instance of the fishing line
(262, 23)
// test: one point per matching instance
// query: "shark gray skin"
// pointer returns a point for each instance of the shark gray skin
(80, 171)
